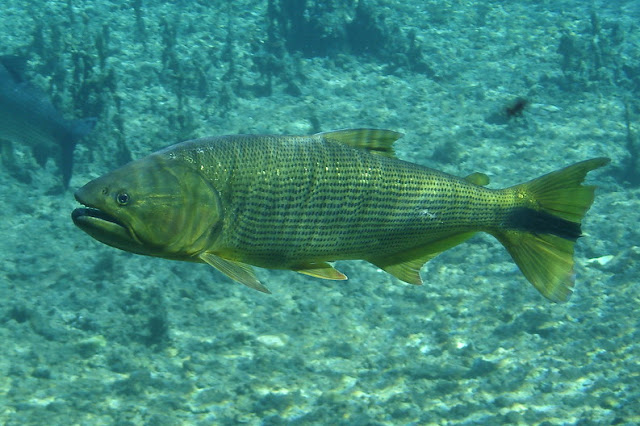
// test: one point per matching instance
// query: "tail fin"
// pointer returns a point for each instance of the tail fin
(78, 129)
(540, 238)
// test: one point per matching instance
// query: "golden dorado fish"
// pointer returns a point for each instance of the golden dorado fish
(300, 202)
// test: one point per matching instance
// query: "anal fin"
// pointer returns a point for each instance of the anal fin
(237, 271)
(406, 266)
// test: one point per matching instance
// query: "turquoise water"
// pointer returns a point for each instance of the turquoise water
(92, 335)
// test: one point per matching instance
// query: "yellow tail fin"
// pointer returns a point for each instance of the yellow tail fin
(540, 238)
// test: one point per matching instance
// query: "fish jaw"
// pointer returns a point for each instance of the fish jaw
(102, 226)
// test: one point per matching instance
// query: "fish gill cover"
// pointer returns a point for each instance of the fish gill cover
(92, 335)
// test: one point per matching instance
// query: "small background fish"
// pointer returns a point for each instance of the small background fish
(28, 117)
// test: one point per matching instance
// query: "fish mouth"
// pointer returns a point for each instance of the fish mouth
(103, 226)
(84, 214)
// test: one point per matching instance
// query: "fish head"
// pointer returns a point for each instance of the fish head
(154, 206)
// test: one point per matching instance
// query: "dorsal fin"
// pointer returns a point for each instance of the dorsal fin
(376, 141)
(478, 178)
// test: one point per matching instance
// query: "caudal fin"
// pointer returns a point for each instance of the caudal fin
(78, 129)
(540, 238)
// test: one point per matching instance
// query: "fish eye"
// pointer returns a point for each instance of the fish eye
(122, 198)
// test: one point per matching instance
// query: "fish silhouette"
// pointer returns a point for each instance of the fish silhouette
(28, 117)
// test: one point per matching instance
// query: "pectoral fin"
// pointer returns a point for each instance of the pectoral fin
(237, 271)
(321, 270)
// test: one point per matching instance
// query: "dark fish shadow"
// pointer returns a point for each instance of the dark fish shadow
(28, 117)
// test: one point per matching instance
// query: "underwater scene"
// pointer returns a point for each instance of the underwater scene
(497, 93)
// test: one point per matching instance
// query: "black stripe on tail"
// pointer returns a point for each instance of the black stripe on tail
(541, 222)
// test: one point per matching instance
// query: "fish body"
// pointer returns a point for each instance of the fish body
(300, 202)
(28, 117)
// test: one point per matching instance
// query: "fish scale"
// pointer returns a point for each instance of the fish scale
(311, 198)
